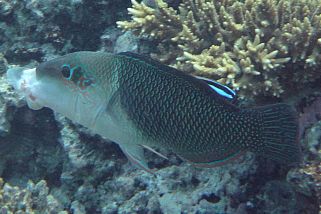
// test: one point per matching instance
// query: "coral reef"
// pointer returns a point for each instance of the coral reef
(38, 30)
(179, 189)
(283, 197)
(310, 115)
(314, 170)
(74, 171)
(265, 47)
(312, 165)
(35, 198)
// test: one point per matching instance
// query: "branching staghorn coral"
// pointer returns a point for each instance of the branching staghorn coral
(259, 47)
(33, 200)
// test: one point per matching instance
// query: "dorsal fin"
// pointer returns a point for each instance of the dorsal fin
(220, 89)
(209, 87)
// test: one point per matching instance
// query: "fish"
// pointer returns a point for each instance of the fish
(140, 103)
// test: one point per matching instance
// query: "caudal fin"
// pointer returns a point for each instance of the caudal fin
(280, 133)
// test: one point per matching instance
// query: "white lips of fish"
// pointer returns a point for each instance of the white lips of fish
(39, 94)
(24, 81)
(53, 94)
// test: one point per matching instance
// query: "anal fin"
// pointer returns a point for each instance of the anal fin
(217, 163)
(213, 158)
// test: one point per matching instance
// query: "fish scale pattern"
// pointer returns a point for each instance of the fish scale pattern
(172, 110)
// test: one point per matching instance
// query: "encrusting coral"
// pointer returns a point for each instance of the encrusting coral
(314, 170)
(259, 47)
(33, 199)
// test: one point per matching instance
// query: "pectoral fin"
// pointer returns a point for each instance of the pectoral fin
(33, 105)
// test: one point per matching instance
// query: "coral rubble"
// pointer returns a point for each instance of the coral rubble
(264, 47)
(34, 199)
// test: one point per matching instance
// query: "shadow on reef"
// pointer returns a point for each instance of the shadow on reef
(273, 189)
(31, 150)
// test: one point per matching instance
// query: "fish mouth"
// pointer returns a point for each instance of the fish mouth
(25, 82)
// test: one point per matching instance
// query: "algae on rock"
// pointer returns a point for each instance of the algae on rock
(263, 47)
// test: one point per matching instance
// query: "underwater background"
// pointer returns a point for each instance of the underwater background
(269, 51)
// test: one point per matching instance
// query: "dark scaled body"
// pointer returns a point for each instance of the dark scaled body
(180, 112)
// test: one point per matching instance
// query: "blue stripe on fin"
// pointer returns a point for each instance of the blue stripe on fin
(220, 89)
(221, 92)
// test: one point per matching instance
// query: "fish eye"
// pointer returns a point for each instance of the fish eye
(65, 70)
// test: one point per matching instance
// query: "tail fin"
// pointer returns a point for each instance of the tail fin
(280, 133)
